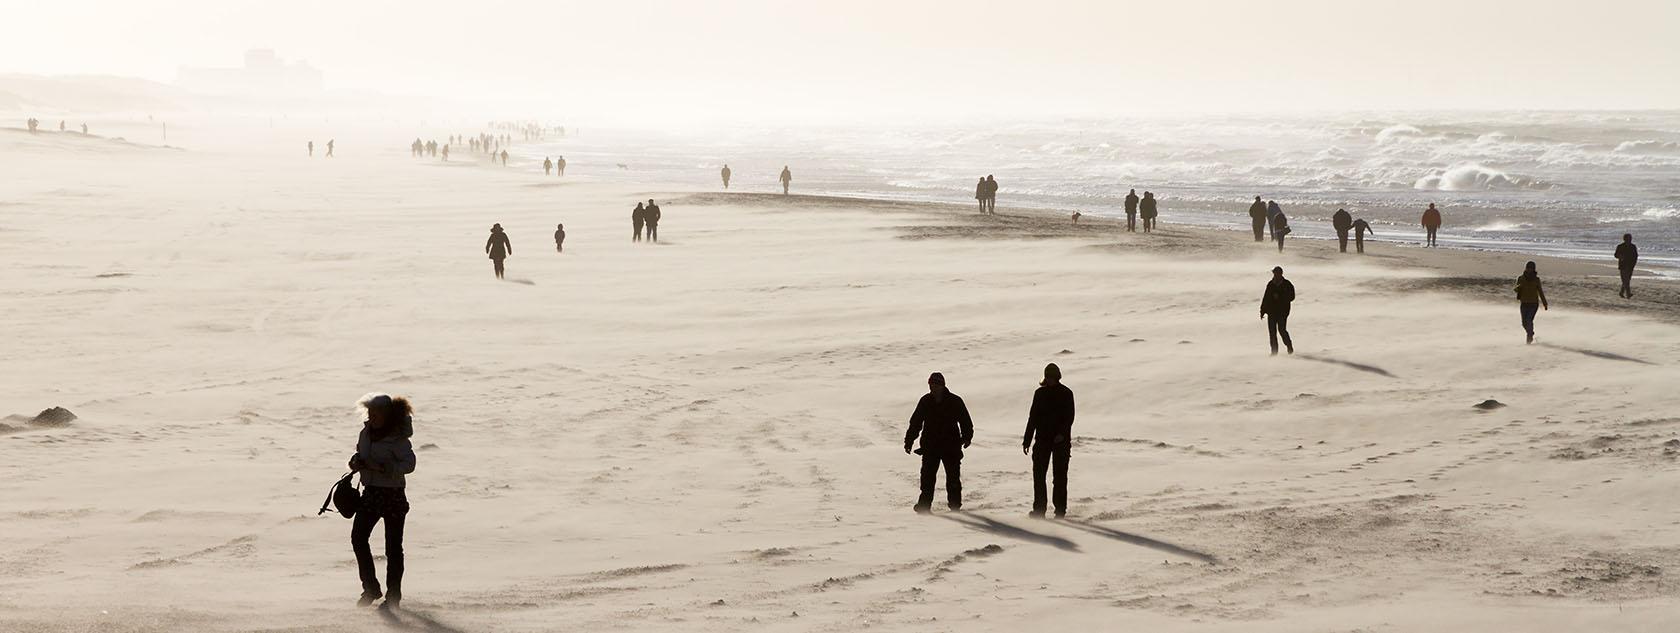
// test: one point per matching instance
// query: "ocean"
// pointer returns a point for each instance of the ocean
(1556, 183)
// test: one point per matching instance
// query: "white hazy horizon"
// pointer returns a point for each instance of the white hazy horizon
(664, 60)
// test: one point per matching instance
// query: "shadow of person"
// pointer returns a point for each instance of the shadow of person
(1598, 354)
(525, 282)
(1144, 541)
(1349, 364)
(987, 524)
(405, 620)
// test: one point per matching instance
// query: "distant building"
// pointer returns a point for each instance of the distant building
(264, 74)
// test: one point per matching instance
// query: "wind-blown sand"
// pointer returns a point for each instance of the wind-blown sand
(705, 434)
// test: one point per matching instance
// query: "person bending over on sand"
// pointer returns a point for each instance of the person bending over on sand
(1280, 228)
(1360, 228)
(942, 421)
(991, 194)
(1531, 298)
(1274, 308)
(1342, 221)
(1146, 210)
(1131, 211)
(498, 247)
(548, 166)
(651, 214)
(1257, 212)
(1627, 255)
(637, 217)
(725, 173)
(1431, 223)
(1050, 423)
(560, 238)
(786, 178)
(384, 457)
(980, 193)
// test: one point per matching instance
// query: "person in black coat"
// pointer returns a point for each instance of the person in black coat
(1627, 257)
(942, 421)
(1342, 221)
(1131, 211)
(1050, 423)
(1274, 308)
(1257, 212)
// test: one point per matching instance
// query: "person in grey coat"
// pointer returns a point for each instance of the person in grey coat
(384, 457)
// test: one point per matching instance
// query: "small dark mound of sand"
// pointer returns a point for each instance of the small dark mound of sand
(56, 416)
(1135, 340)
(1065, 351)
(1489, 405)
(1184, 342)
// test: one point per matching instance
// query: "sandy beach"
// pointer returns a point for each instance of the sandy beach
(705, 434)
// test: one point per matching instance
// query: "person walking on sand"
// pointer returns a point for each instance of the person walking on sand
(1049, 438)
(637, 217)
(786, 178)
(1274, 308)
(725, 173)
(1431, 223)
(498, 247)
(329, 148)
(548, 166)
(504, 158)
(1627, 255)
(1147, 210)
(651, 216)
(1280, 228)
(312, 149)
(560, 165)
(991, 194)
(445, 153)
(1360, 228)
(1131, 211)
(1531, 298)
(980, 193)
(1257, 213)
(1342, 221)
(942, 422)
(560, 238)
(384, 458)
(84, 129)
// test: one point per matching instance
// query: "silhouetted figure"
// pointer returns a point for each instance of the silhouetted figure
(34, 124)
(1146, 210)
(312, 149)
(1050, 423)
(1280, 228)
(61, 125)
(942, 421)
(329, 148)
(1531, 298)
(1431, 223)
(1627, 255)
(84, 129)
(725, 174)
(637, 217)
(1131, 211)
(548, 166)
(1076, 215)
(1274, 308)
(445, 153)
(560, 165)
(980, 193)
(786, 178)
(991, 194)
(1343, 222)
(560, 238)
(384, 457)
(1360, 228)
(498, 247)
(504, 158)
(1272, 211)
(651, 216)
(1257, 213)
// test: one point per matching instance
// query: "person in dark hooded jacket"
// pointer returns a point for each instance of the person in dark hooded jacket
(384, 457)
(1280, 228)
(1342, 221)
(1147, 210)
(498, 247)
(1274, 308)
(1257, 212)
(1049, 437)
(941, 420)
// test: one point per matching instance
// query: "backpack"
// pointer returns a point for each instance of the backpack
(344, 497)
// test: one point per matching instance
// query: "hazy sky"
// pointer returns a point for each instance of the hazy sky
(792, 58)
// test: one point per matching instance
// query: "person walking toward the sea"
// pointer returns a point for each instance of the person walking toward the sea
(651, 216)
(991, 194)
(1049, 438)
(1342, 221)
(1272, 211)
(329, 148)
(1274, 308)
(1280, 228)
(980, 193)
(560, 165)
(1431, 223)
(637, 217)
(1131, 211)
(786, 178)
(1530, 298)
(548, 166)
(560, 238)
(1147, 210)
(941, 420)
(1627, 256)
(1257, 213)
(1360, 228)
(725, 174)
(384, 458)
(498, 247)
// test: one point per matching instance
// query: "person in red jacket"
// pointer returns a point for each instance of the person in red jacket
(1431, 223)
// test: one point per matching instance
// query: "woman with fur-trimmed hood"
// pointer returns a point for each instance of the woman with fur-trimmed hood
(384, 457)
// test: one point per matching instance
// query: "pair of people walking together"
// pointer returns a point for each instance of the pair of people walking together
(942, 422)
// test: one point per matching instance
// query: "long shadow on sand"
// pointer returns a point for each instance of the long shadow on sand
(1139, 540)
(1349, 364)
(994, 526)
(405, 620)
(1598, 354)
